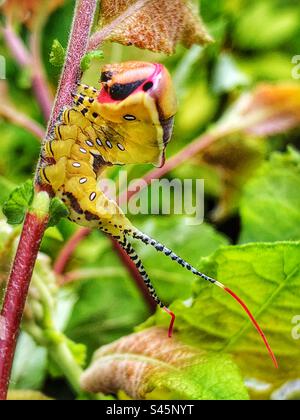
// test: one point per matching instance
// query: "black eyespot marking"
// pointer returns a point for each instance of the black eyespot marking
(106, 76)
(95, 115)
(147, 86)
(119, 91)
(129, 117)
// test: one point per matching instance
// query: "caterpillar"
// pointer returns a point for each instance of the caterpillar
(128, 120)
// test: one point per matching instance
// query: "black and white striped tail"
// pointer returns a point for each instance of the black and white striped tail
(139, 265)
(169, 253)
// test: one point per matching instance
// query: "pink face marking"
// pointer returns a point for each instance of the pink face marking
(151, 84)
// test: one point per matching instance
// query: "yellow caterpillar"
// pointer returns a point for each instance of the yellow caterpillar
(129, 120)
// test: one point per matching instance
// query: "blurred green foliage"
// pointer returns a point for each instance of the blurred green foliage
(255, 41)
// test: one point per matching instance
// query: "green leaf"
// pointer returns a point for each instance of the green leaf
(57, 54)
(19, 201)
(267, 277)
(271, 201)
(276, 25)
(148, 365)
(30, 365)
(170, 280)
(58, 210)
(89, 57)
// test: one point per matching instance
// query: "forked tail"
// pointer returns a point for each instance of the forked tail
(169, 253)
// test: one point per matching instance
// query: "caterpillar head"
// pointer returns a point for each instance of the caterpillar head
(139, 97)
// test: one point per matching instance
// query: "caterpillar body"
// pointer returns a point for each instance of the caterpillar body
(128, 120)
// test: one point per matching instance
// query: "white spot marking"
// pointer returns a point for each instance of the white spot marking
(121, 147)
(76, 165)
(99, 142)
(82, 150)
(129, 117)
(109, 144)
(82, 180)
(93, 196)
(89, 143)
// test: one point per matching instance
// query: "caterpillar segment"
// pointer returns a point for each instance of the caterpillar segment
(128, 120)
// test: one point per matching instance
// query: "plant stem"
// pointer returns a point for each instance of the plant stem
(63, 357)
(16, 293)
(16, 46)
(60, 353)
(78, 44)
(21, 120)
(35, 224)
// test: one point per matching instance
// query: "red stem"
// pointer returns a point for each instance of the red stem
(77, 49)
(16, 294)
(34, 228)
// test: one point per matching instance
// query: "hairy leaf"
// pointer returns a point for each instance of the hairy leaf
(89, 57)
(17, 204)
(149, 365)
(157, 25)
(58, 210)
(57, 54)
(270, 205)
